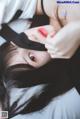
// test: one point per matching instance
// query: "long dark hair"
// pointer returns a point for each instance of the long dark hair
(56, 77)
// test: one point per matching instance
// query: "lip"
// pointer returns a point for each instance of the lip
(43, 31)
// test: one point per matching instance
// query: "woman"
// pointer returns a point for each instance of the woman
(20, 15)
(34, 87)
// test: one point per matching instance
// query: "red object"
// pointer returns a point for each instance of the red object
(43, 31)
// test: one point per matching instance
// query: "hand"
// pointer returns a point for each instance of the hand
(65, 42)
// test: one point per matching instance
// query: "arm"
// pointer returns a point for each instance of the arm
(50, 7)
(65, 42)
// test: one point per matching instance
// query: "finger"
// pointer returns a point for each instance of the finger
(51, 49)
(52, 34)
(51, 39)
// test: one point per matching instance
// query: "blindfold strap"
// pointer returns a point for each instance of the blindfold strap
(20, 40)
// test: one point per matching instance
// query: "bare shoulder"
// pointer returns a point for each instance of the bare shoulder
(50, 7)
(68, 12)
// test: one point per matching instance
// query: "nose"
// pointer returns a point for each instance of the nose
(22, 56)
(25, 60)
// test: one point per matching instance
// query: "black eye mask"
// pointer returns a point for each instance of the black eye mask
(20, 40)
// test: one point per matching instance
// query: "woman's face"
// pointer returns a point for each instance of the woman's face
(31, 57)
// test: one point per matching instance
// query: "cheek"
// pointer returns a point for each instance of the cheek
(43, 58)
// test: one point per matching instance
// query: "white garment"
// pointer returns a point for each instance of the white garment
(66, 106)
(8, 9)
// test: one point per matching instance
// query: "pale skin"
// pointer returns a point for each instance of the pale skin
(57, 45)
(66, 16)
(65, 19)
(59, 13)
(31, 57)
